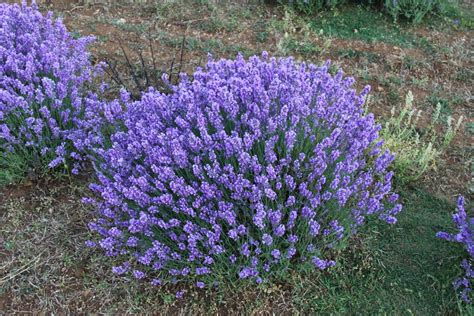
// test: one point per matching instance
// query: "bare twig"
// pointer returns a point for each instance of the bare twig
(171, 69)
(115, 74)
(153, 59)
(183, 43)
(181, 54)
(137, 82)
(147, 79)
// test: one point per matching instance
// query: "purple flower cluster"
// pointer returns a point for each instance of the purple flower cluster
(43, 71)
(465, 226)
(248, 168)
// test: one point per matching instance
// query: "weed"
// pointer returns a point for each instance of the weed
(75, 34)
(444, 105)
(365, 74)
(412, 10)
(416, 151)
(464, 75)
(456, 14)
(470, 127)
(168, 11)
(261, 31)
(217, 22)
(421, 83)
(14, 167)
(102, 38)
(393, 97)
(261, 37)
(298, 37)
(408, 62)
(288, 46)
(395, 80)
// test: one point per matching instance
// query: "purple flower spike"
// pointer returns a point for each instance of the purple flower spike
(465, 236)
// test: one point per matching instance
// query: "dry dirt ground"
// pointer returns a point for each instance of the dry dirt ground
(44, 265)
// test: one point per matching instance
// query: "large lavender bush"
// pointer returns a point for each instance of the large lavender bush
(464, 235)
(249, 169)
(43, 71)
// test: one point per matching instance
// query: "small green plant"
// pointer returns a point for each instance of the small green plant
(312, 6)
(261, 31)
(15, 165)
(416, 149)
(167, 11)
(298, 37)
(470, 127)
(412, 10)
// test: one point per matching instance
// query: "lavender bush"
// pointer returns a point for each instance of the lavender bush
(43, 71)
(249, 169)
(464, 235)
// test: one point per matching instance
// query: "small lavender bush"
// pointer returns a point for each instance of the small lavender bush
(464, 235)
(43, 71)
(249, 169)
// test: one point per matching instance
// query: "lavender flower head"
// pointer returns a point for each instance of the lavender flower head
(42, 75)
(464, 235)
(238, 170)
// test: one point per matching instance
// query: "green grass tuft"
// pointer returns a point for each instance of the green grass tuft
(366, 24)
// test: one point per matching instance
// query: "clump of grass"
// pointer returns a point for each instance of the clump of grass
(14, 166)
(366, 24)
(417, 150)
(412, 10)
(297, 36)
